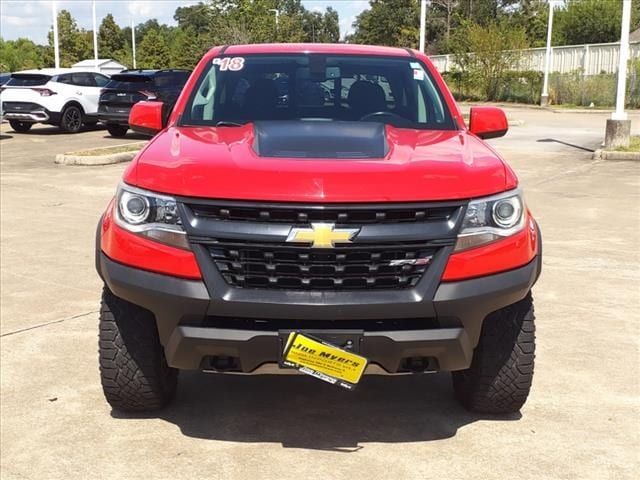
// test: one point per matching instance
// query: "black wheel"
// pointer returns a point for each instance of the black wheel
(501, 371)
(19, 126)
(117, 130)
(133, 370)
(71, 120)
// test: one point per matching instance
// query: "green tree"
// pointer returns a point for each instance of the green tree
(20, 54)
(590, 21)
(533, 15)
(186, 47)
(111, 42)
(75, 44)
(321, 27)
(153, 51)
(484, 54)
(194, 17)
(388, 22)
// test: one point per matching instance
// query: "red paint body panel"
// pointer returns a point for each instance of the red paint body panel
(137, 251)
(146, 116)
(488, 122)
(221, 163)
(326, 48)
(501, 256)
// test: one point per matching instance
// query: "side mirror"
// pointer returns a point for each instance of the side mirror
(147, 117)
(488, 122)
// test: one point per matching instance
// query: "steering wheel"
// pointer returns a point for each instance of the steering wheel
(370, 116)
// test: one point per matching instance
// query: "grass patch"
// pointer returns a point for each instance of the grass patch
(634, 146)
(130, 147)
(569, 106)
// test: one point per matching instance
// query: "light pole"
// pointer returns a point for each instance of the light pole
(95, 36)
(133, 43)
(277, 12)
(544, 98)
(619, 126)
(56, 47)
(423, 21)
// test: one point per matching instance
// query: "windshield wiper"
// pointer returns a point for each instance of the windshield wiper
(226, 123)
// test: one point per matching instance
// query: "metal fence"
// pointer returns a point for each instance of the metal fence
(591, 59)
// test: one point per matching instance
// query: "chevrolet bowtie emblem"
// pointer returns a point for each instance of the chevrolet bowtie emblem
(322, 235)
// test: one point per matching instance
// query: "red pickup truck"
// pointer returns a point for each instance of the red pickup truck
(327, 201)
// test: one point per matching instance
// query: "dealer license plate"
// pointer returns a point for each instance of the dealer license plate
(324, 361)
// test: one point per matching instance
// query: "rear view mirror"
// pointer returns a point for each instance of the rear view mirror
(147, 117)
(488, 122)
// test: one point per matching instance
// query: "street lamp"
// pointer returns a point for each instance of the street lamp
(619, 126)
(95, 36)
(56, 47)
(133, 43)
(544, 98)
(423, 21)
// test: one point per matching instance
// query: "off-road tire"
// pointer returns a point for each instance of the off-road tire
(19, 126)
(71, 119)
(117, 130)
(501, 371)
(133, 370)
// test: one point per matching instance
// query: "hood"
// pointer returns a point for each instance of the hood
(223, 163)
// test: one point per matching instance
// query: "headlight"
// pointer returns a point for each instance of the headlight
(489, 219)
(151, 215)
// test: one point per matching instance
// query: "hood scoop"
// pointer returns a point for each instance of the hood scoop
(320, 139)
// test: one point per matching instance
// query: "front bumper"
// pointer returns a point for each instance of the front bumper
(453, 314)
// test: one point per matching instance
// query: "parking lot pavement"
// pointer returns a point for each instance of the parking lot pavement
(582, 419)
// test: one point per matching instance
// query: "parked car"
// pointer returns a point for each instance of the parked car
(4, 78)
(131, 86)
(366, 231)
(56, 96)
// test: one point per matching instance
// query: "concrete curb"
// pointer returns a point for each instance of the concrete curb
(96, 160)
(606, 155)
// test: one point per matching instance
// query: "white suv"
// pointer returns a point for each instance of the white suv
(57, 96)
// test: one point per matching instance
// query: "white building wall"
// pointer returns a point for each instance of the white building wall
(593, 58)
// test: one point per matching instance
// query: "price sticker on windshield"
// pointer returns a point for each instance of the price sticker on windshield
(234, 64)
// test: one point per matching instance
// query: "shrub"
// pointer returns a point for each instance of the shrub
(485, 54)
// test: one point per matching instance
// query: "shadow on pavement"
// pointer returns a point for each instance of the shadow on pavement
(5, 137)
(301, 412)
(129, 136)
(547, 140)
(54, 130)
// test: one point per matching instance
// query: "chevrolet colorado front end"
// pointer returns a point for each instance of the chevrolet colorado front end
(331, 191)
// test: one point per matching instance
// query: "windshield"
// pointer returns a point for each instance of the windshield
(28, 79)
(397, 91)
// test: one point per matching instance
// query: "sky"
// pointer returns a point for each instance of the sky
(32, 18)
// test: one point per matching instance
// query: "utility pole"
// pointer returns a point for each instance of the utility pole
(619, 126)
(56, 47)
(133, 42)
(423, 22)
(544, 98)
(277, 12)
(95, 36)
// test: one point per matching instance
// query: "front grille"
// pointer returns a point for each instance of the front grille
(392, 249)
(340, 215)
(345, 267)
(21, 106)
